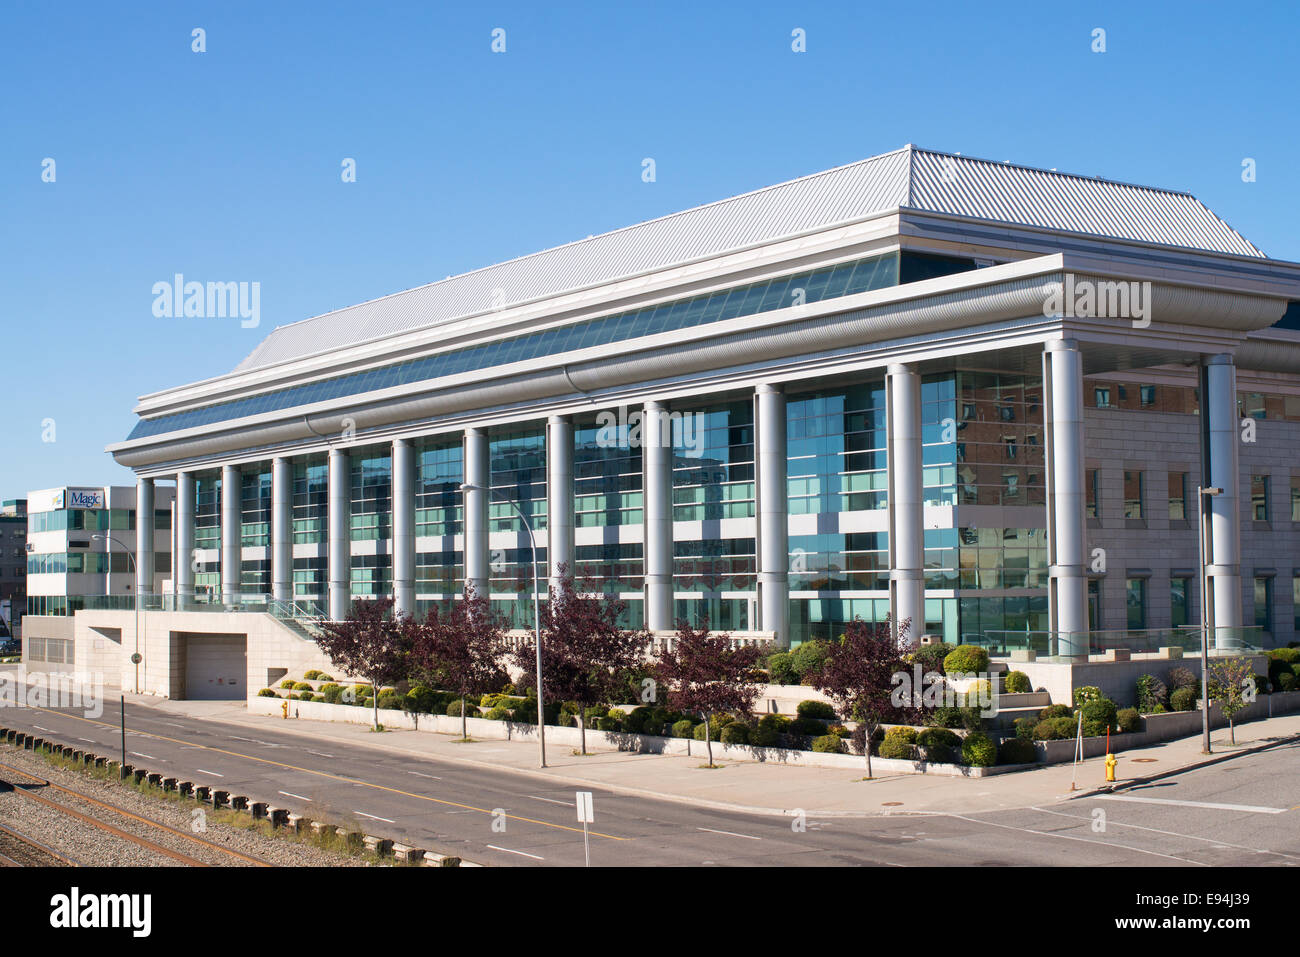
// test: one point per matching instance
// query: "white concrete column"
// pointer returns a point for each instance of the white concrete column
(230, 534)
(282, 528)
(1067, 543)
(906, 510)
(144, 535)
(772, 493)
(340, 534)
(183, 558)
(1220, 469)
(478, 471)
(404, 526)
(657, 478)
(559, 497)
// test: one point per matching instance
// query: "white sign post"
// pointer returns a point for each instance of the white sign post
(586, 815)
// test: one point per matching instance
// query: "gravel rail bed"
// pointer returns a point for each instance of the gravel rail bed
(92, 846)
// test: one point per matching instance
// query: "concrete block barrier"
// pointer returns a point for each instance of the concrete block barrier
(377, 845)
(154, 778)
(202, 793)
(258, 809)
(294, 822)
(441, 860)
(185, 787)
(170, 783)
(408, 854)
(220, 798)
(238, 802)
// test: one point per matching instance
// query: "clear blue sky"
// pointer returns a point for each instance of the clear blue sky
(225, 165)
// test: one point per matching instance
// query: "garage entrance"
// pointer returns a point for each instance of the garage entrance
(216, 667)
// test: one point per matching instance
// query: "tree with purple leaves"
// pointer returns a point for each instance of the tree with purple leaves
(370, 644)
(584, 649)
(858, 674)
(706, 675)
(460, 647)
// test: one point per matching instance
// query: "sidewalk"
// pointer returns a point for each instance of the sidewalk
(762, 788)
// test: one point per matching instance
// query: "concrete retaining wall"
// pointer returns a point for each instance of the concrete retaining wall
(1168, 726)
(605, 740)
(1116, 679)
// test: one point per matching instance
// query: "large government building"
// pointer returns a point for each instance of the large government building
(971, 395)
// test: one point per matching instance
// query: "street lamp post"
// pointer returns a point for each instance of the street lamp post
(135, 658)
(1203, 551)
(537, 617)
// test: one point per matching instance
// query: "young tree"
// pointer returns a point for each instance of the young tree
(460, 648)
(705, 675)
(583, 649)
(858, 675)
(1232, 684)
(370, 644)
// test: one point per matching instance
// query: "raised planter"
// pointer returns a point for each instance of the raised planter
(609, 740)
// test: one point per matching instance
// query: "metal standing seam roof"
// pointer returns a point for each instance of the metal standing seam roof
(908, 178)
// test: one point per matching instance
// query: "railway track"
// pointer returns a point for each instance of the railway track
(19, 850)
(23, 782)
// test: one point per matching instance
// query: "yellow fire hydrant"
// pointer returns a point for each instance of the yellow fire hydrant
(284, 710)
(1110, 767)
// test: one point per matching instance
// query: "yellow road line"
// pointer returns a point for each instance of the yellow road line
(334, 777)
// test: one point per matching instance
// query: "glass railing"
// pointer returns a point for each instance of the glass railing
(1134, 640)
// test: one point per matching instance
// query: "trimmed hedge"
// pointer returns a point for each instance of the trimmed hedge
(1017, 751)
(684, 728)
(267, 693)
(1183, 699)
(828, 744)
(781, 670)
(1055, 729)
(1054, 711)
(940, 744)
(966, 659)
(899, 743)
(816, 709)
(1098, 715)
(1129, 720)
(978, 750)
(1017, 682)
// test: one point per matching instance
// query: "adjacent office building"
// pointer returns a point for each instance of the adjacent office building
(82, 553)
(13, 566)
(970, 395)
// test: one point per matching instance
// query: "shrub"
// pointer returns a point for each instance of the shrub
(931, 656)
(1180, 677)
(304, 686)
(318, 697)
(1025, 728)
(311, 675)
(780, 669)
(684, 728)
(288, 685)
(498, 713)
(424, 700)
(735, 733)
(940, 744)
(808, 658)
(1280, 662)
(1055, 729)
(899, 743)
(978, 750)
(967, 718)
(1086, 693)
(1129, 720)
(1017, 751)
(390, 699)
(609, 724)
(1286, 681)
(816, 709)
(321, 676)
(636, 719)
(267, 693)
(453, 709)
(305, 696)
(1183, 699)
(1098, 715)
(1151, 691)
(1054, 711)
(806, 727)
(828, 744)
(978, 692)
(1017, 682)
(966, 659)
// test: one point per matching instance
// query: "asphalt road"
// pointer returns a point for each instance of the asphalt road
(1240, 812)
